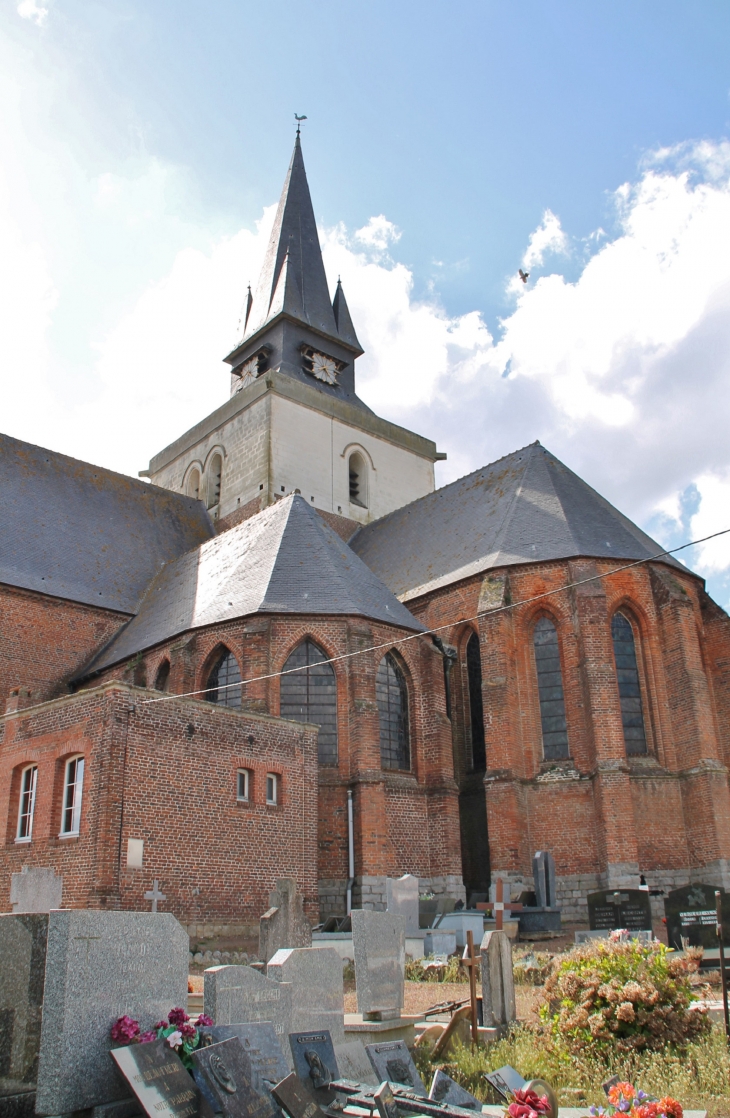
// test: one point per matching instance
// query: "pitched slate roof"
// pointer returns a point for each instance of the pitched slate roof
(284, 560)
(525, 508)
(80, 532)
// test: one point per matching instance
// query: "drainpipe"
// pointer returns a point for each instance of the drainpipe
(350, 852)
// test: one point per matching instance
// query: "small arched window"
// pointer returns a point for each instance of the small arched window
(358, 478)
(309, 694)
(476, 710)
(222, 680)
(215, 473)
(629, 687)
(192, 487)
(163, 675)
(550, 689)
(392, 695)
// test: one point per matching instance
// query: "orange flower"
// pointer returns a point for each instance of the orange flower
(670, 1108)
(620, 1092)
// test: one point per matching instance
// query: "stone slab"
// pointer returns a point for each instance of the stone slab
(374, 1032)
(498, 987)
(260, 1044)
(159, 1079)
(99, 966)
(295, 1100)
(224, 1070)
(353, 1062)
(393, 1062)
(317, 989)
(610, 909)
(23, 939)
(439, 943)
(444, 1089)
(380, 959)
(691, 914)
(235, 993)
(315, 1062)
(461, 923)
(35, 889)
(401, 895)
(533, 920)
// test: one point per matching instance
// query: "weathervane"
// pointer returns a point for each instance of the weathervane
(299, 120)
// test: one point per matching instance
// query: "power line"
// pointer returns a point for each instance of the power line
(447, 625)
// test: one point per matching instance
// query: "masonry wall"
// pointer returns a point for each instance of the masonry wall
(164, 773)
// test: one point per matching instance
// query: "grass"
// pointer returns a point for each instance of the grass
(699, 1077)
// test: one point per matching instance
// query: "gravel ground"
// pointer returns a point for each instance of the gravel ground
(420, 996)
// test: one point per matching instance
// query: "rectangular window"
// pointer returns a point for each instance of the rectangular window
(26, 808)
(272, 788)
(73, 787)
(243, 784)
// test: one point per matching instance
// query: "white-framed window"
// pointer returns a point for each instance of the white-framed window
(73, 787)
(26, 807)
(272, 788)
(243, 785)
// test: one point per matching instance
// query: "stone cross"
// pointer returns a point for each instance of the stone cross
(471, 962)
(155, 895)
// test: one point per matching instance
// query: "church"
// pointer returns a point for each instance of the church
(285, 653)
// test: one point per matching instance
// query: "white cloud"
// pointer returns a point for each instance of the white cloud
(29, 9)
(548, 237)
(379, 234)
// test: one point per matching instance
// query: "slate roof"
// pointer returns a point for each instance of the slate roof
(80, 532)
(285, 560)
(525, 508)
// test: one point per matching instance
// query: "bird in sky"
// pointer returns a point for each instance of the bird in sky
(524, 275)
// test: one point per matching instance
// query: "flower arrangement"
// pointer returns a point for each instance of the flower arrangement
(178, 1030)
(623, 1098)
(528, 1104)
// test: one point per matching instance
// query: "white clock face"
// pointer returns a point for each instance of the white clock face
(249, 370)
(324, 368)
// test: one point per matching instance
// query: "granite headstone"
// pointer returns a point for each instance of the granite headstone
(543, 871)
(445, 1089)
(315, 1062)
(293, 1097)
(284, 924)
(506, 1081)
(159, 1079)
(610, 909)
(22, 966)
(317, 989)
(353, 1062)
(99, 966)
(237, 993)
(261, 1045)
(692, 915)
(224, 1070)
(498, 984)
(379, 946)
(402, 899)
(393, 1062)
(35, 889)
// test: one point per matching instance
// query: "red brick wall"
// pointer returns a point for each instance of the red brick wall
(164, 773)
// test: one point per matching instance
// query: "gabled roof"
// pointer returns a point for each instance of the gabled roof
(525, 508)
(80, 532)
(284, 560)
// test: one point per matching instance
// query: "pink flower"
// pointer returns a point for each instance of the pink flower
(204, 1020)
(175, 1039)
(125, 1030)
(178, 1017)
(148, 1037)
(527, 1104)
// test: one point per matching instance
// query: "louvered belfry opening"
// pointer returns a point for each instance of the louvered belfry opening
(550, 688)
(310, 695)
(629, 686)
(392, 696)
(222, 680)
(476, 709)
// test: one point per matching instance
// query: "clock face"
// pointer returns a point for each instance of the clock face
(324, 368)
(250, 370)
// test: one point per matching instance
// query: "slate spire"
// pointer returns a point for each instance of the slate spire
(295, 251)
(345, 328)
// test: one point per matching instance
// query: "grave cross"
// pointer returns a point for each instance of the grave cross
(471, 962)
(499, 906)
(155, 895)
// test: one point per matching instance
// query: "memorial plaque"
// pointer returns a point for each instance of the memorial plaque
(22, 966)
(506, 1081)
(315, 1062)
(385, 1101)
(691, 914)
(295, 1099)
(261, 1045)
(445, 1090)
(159, 1079)
(353, 1063)
(225, 1070)
(619, 908)
(393, 1062)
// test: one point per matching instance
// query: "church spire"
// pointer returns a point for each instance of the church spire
(345, 328)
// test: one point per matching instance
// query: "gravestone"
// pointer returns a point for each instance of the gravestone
(691, 914)
(100, 966)
(261, 1045)
(284, 924)
(22, 967)
(293, 1097)
(506, 1081)
(236, 993)
(353, 1062)
(498, 984)
(223, 1072)
(610, 909)
(315, 1062)
(159, 1079)
(445, 1090)
(543, 871)
(393, 1062)
(385, 1102)
(35, 889)
(379, 945)
(317, 989)
(439, 943)
(402, 899)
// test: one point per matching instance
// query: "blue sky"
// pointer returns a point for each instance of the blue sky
(446, 145)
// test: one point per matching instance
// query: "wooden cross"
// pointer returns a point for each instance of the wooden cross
(499, 906)
(471, 962)
(155, 895)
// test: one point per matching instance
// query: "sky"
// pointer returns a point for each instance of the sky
(143, 151)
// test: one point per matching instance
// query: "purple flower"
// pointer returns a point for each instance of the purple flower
(125, 1029)
(204, 1020)
(187, 1031)
(160, 1025)
(178, 1017)
(148, 1037)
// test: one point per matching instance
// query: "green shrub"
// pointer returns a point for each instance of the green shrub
(622, 997)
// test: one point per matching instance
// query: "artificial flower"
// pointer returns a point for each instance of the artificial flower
(148, 1037)
(528, 1104)
(178, 1017)
(204, 1020)
(125, 1029)
(175, 1039)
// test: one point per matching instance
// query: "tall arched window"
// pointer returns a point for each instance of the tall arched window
(550, 688)
(193, 484)
(221, 682)
(629, 689)
(215, 472)
(358, 479)
(163, 675)
(476, 710)
(310, 695)
(392, 695)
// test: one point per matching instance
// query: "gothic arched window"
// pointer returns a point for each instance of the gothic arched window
(222, 679)
(392, 695)
(550, 689)
(310, 695)
(193, 484)
(163, 675)
(476, 711)
(629, 688)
